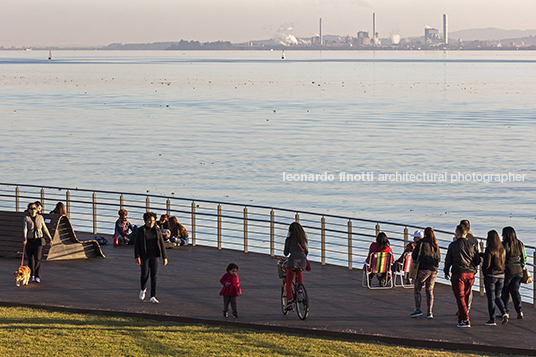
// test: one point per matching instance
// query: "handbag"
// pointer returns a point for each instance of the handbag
(308, 267)
(414, 269)
(527, 278)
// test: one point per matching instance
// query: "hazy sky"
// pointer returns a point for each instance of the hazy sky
(101, 22)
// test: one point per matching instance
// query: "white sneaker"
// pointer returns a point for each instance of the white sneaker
(154, 301)
(142, 294)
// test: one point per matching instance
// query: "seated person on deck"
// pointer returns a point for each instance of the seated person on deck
(163, 223)
(179, 234)
(124, 230)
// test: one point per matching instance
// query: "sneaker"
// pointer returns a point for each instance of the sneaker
(429, 315)
(499, 314)
(464, 324)
(225, 314)
(504, 318)
(490, 323)
(154, 301)
(519, 316)
(37, 280)
(32, 278)
(235, 316)
(290, 303)
(416, 313)
(142, 294)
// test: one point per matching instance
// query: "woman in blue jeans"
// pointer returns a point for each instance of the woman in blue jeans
(516, 258)
(493, 270)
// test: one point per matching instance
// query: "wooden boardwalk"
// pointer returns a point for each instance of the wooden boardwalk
(188, 291)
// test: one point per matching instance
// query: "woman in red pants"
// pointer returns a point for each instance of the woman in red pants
(296, 246)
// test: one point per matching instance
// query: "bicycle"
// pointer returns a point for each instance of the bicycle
(301, 301)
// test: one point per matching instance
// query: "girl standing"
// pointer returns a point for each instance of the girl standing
(515, 261)
(148, 248)
(426, 253)
(493, 269)
(231, 289)
(32, 229)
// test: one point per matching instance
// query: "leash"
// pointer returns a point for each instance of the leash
(23, 250)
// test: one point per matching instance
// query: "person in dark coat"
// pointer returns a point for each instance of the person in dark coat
(148, 248)
(33, 227)
(296, 246)
(426, 253)
(493, 270)
(515, 261)
(463, 257)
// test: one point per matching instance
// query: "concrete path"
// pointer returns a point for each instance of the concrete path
(188, 291)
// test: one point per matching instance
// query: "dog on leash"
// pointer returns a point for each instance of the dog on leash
(22, 274)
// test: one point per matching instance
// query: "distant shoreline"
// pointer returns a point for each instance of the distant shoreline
(281, 48)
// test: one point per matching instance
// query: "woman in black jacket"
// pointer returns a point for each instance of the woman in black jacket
(426, 253)
(515, 261)
(493, 269)
(148, 247)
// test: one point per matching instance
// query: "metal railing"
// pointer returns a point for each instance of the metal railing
(333, 239)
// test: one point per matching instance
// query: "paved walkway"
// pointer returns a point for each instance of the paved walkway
(188, 291)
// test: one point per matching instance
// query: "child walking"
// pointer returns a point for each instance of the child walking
(231, 289)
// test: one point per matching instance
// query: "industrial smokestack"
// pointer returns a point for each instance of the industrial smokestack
(445, 32)
(373, 25)
(320, 31)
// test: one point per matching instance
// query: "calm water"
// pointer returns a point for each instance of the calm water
(227, 125)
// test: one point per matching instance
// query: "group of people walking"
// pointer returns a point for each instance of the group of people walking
(503, 266)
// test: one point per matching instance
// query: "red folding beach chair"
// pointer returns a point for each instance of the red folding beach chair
(404, 270)
(380, 263)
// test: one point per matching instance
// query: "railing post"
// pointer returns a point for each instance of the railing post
(17, 204)
(297, 218)
(94, 213)
(193, 223)
(43, 199)
(245, 229)
(377, 229)
(350, 257)
(147, 204)
(219, 226)
(68, 202)
(406, 237)
(168, 207)
(272, 233)
(323, 240)
(121, 201)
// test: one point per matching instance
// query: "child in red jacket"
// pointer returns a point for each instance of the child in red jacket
(231, 289)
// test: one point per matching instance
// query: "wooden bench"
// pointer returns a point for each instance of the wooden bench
(65, 245)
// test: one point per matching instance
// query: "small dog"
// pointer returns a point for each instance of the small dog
(22, 275)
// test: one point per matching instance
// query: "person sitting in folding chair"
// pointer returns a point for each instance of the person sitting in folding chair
(381, 245)
(399, 263)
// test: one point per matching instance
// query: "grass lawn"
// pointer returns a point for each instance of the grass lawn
(28, 332)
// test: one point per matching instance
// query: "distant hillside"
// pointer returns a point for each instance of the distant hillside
(490, 33)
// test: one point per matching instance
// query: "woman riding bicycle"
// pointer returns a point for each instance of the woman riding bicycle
(296, 246)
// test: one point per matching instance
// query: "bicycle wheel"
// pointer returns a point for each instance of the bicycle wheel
(284, 298)
(302, 302)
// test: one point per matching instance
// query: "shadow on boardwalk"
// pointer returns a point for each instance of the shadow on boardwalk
(188, 291)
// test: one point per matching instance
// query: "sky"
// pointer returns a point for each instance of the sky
(101, 22)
